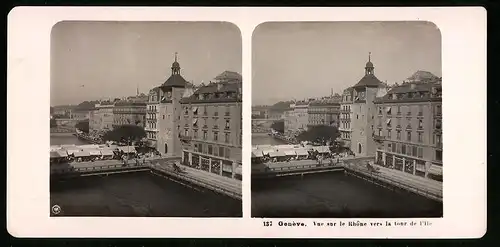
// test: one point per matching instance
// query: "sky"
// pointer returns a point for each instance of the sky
(308, 60)
(96, 60)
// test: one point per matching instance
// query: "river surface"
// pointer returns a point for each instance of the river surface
(335, 195)
(265, 139)
(65, 139)
(138, 194)
(135, 194)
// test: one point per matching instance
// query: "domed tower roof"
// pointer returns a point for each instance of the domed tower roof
(175, 80)
(369, 64)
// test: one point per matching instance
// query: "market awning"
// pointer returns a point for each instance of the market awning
(289, 152)
(301, 152)
(257, 153)
(82, 154)
(94, 152)
(72, 151)
(58, 154)
(322, 149)
(62, 153)
(267, 152)
(127, 149)
(107, 152)
(277, 154)
(91, 146)
(436, 170)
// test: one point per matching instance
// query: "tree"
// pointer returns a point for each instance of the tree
(125, 133)
(83, 126)
(279, 126)
(320, 134)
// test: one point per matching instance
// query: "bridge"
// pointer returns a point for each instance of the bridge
(264, 123)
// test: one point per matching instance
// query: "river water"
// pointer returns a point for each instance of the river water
(137, 194)
(332, 195)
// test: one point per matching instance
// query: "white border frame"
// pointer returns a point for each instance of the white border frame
(28, 66)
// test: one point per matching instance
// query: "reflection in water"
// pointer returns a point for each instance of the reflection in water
(264, 139)
(65, 139)
(335, 195)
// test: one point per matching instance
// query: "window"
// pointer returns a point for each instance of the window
(420, 123)
(438, 139)
(380, 110)
(420, 110)
(227, 124)
(221, 151)
(398, 148)
(228, 152)
(420, 137)
(438, 124)
(195, 133)
(403, 149)
(216, 151)
(357, 116)
(399, 110)
(227, 111)
(415, 151)
(210, 149)
(408, 136)
(216, 136)
(379, 132)
(399, 122)
(200, 148)
(226, 137)
(439, 155)
(163, 116)
(420, 152)
(398, 134)
(389, 134)
(195, 111)
(438, 110)
(389, 147)
(205, 134)
(186, 132)
(205, 110)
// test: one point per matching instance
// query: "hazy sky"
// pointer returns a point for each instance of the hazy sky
(302, 60)
(112, 58)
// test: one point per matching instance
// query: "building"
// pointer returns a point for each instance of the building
(101, 119)
(152, 112)
(409, 127)
(290, 121)
(131, 111)
(363, 111)
(301, 113)
(324, 111)
(345, 116)
(211, 125)
(63, 111)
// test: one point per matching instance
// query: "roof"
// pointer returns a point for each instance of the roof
(326, 101)
(212, 89)
(423, 90)
(369, 80)
(228, 76)
(130, 103)
(175, 80)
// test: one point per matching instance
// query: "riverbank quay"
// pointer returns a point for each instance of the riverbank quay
(353, 166)
(189, 177)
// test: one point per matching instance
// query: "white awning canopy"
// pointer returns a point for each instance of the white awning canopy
(107, 152)
(268, 151)
(71, 151)
(82, 154)
(257, 153)
(127, 149)
(277, 154)
(94, 152)
(301, 152)
(289, 152)
(322, 149)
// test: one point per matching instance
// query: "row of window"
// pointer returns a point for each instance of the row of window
(152, 108)
(437, 124)
(196, 123)
(389, 111)
(212, 150)
(151, 135)
(345, 125)
(205, 109)
(215, 135)
(414, 151)
(345, 135)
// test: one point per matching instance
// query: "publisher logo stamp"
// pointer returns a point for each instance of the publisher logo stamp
(56, 209)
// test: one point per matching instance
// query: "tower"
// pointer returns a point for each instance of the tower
(170, 111)
(363, 112)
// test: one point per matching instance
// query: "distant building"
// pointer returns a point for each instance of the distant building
(211, 126)
(301, 113)
(324, 111)
(101, 119)
(152, 113)
(290, 120)
(409, 127)
(130, 112)
(345, 116)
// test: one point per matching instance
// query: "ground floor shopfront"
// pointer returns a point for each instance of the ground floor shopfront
(411, 165)
(213, 164)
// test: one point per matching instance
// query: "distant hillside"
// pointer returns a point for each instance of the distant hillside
(281, 106)
(422, 76)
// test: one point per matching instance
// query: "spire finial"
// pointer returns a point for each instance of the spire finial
(369, 56)
(176, 56)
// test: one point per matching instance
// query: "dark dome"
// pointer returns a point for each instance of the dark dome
(175, 65)
(369, 64)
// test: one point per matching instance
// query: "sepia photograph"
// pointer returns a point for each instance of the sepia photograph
(347, 120)
(145, 119)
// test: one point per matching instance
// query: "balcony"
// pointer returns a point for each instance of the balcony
(185, 138)
(398, 126)
(216, 114)
(227, 114)
(215, 127)
(227, 128)
(205, 126)
(408, 127)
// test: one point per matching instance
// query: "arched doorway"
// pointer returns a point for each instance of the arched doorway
(359, 148)
(166, 148)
